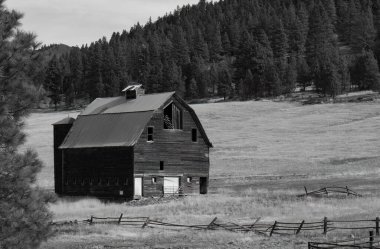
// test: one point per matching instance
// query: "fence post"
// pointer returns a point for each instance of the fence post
(377, 226)
(254, 223)
(300, 227)
(325, 225)
(274, 226)
(91, 220)
(145, 223)
(211, 223)
(370, 239)
(121, 216)
(305, 190)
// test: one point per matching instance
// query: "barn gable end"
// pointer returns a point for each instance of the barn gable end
(181, 157)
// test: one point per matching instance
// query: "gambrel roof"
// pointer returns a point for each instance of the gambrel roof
(149, 102)
(113, 122)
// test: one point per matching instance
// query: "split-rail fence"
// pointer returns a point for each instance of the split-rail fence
(277, 227)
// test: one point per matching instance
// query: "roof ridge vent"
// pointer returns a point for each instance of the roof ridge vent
(133, 91)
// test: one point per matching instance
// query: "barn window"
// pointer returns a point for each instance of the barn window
(194, 135)
(150, 133)
(189, 179)
(161, 165)
(173, 117)
(154, 179)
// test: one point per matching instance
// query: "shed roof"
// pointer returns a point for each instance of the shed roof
(120, 104)
(106, 130)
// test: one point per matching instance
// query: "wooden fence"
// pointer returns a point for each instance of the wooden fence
(277, 227)
(362, 243)
(330, 190)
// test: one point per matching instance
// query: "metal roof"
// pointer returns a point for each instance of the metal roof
(111, 122)
(106, 130)
(142, 103)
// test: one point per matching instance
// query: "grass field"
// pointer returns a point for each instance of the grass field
(264, 153)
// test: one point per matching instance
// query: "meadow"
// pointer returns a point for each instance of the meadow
(264, 154)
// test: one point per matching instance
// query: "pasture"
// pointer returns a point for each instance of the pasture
(264, 153)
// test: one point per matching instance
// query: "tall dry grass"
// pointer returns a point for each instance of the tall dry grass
(263, 155)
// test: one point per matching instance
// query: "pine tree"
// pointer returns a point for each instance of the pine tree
(365, 72)
(244, 56)
(111, 81)
(248, 85)
(54, 80)
(279, 40)
(377, 48)
(363, 31)
(303, 72)
(76, 69)
(216, 48)
(193, 89)
(180, 47)
(226, 44)
(200, 46)
(344, 73)
(224, 85)
(214, 78)
(25, 218)
(290, 79)
(322, 52)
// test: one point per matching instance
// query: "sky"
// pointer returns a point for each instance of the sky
(76, 22)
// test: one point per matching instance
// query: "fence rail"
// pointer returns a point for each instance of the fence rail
(277, 227)
(362, 243)
(330, 190)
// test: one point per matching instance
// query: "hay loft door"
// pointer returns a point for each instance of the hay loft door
(171, 185)
(138, 186)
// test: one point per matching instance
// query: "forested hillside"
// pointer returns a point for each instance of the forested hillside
(231, 48)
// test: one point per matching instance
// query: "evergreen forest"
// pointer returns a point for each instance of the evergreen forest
(239, 49)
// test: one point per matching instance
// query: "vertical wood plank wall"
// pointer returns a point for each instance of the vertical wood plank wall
(182, 157)
(102, 172)
(59, 133)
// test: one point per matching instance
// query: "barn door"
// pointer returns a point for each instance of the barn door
(171, 185)
(138, 186)
(203, 185)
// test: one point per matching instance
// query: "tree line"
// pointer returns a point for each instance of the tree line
(232, 48)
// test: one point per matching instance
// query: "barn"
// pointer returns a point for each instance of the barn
(131, 146)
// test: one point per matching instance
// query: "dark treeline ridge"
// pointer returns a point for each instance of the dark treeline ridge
(232, 48)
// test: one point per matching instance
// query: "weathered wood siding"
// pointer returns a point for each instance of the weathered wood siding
(59, 133)
(181, 156)
(102, 172)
